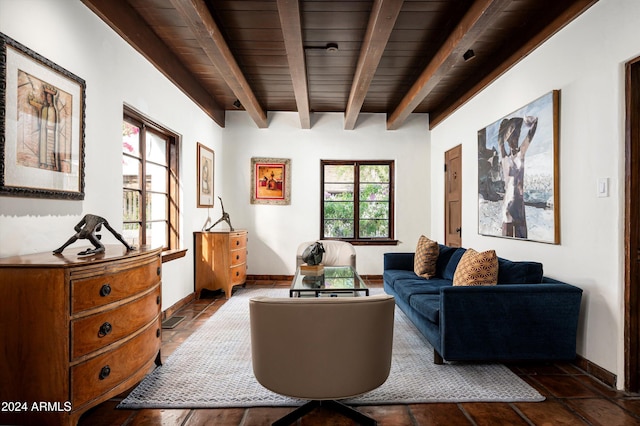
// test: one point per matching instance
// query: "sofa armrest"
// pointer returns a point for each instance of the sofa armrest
(513, 321)
(401, 261)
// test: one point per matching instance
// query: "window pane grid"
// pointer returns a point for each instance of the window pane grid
(369, 218)
(149, 210)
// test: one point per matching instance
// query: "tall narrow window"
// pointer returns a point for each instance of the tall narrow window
(149, 182)
(357, 201)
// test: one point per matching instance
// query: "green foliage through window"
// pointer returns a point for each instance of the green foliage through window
(367, 217)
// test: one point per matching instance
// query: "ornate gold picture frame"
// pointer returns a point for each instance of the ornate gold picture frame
(271, 181)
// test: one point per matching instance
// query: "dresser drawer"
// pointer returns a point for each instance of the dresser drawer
(237, 241)
(99, 375)
(238, 274)
(99, 330)
(238, 257)
(104, 289)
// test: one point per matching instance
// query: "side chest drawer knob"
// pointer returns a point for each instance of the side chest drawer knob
(105, 290)
(237, 243)
(237, 257)
(158, 333)
(158, 300)
(105, 329)
(158, 271)
(104, 372)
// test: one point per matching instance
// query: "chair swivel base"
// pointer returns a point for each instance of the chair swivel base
(331, 404)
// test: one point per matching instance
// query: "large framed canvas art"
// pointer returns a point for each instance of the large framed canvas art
(41, 126)
(518, 173)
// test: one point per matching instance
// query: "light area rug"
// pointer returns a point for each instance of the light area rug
(212, 369)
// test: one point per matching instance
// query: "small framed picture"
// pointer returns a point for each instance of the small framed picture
(205, 166)
(41, 126)
(271, 181)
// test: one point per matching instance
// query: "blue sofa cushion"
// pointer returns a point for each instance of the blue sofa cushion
(510, 272)
(392, 275)
(409, 287)
(428, 305)
(452, 264)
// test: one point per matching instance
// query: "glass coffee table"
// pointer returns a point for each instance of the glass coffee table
(329, 281)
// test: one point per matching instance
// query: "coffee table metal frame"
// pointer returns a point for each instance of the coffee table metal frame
(332, 282)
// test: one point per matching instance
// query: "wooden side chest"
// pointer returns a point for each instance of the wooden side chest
(75, 331)
(220, 260)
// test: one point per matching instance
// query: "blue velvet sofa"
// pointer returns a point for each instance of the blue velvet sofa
(526, 316)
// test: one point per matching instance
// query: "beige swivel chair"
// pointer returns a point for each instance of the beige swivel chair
(336, 253)
(322, 349)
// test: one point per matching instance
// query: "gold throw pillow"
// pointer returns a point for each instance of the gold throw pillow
(477, 269)
(424, 263)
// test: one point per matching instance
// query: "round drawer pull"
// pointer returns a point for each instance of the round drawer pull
(105, 329)
(104, 372)
(158, 271)
(237, 257)
(158, 300)
(158, 333)
(105, 290)
(237, 274)
(237, 243)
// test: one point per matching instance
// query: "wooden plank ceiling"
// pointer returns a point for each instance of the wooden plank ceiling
(359, 56)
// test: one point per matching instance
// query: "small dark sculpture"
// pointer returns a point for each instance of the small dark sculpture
(225, 217)
(86, 229)
(312, 255)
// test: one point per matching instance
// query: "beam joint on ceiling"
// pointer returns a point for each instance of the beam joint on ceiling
(572, 12)
(480, 16)
(289, 11)
(121, 17)
(381, 22)
(197, 16)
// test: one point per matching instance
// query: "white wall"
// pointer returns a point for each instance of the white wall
(276, 231)
(70, 35)
(586, 62)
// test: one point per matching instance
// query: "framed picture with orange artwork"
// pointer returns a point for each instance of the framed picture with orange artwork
(271, 181)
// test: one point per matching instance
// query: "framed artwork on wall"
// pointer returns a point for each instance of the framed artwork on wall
(514, 202)
(206, 164)
(41, 127)
(271, 181)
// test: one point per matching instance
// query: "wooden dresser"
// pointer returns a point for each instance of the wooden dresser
(75, 331)
(220, 260)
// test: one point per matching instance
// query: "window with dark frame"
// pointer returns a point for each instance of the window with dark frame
(149, 182)
(357, 202)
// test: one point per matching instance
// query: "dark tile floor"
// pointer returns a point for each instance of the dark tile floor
(572, 397)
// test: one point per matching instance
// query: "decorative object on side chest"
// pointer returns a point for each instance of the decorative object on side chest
(87, 228)
(225, 218)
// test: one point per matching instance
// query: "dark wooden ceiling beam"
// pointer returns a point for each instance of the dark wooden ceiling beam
(197, 16)
(479, 16)
(560, 21)
(290, 21)
(121, 17)
(381, 22)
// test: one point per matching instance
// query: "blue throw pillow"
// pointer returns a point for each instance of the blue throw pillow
(444, 255)
(452, 264)
(510, 272)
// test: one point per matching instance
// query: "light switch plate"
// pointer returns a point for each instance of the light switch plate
(603, 187)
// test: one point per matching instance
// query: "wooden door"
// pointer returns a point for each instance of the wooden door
(453, 197)
(632, 229)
